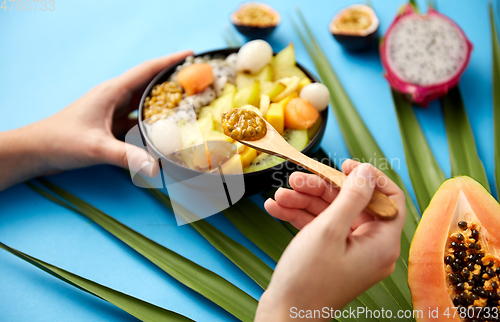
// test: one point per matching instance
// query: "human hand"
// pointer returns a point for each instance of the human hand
(341, 251)
(83, 133)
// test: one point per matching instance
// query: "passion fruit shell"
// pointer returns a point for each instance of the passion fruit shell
(255, 20)
(355, 27)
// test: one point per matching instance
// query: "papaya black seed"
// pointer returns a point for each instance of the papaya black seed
(462, 224)
(471, 257)
(494, 285)
(460, 237)
(475, 234)
(478, 247)
(466, 272)
(448, 260)
(482, 294)
(474, 297)
(460, 287)
(462, 246)
(490, 264)
(480, 255)
(464, 296)
(457, 301)
(462, 255)
(476, 278)
(472, 246)
(471, 266)
(490, 272)
(454, 244)
(455, 267)
(453, 278)
(471, 283)
(479, 262)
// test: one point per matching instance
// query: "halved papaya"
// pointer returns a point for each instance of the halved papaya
(454, 263)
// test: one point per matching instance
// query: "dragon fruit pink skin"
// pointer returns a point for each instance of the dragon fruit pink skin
(417, 83)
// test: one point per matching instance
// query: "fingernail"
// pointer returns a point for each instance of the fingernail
(144, 164)
(365, 171)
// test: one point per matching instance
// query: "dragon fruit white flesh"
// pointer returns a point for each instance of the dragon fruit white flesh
(424, 55)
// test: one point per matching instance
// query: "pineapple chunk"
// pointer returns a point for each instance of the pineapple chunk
(265, 102)
(244, 79)
(248, 95)
(291, 83)
(303, 83)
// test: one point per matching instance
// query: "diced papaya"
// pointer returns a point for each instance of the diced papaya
(195, 78)
(300, 114)
(276, 114)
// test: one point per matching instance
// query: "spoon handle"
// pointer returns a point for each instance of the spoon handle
(380, 205)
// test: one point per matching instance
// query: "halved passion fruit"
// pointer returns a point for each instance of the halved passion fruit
(255, 20)
(454, 264)
(355, 27)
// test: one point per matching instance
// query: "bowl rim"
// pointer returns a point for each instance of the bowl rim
(169, 70)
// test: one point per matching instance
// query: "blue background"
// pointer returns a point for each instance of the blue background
(49, 59)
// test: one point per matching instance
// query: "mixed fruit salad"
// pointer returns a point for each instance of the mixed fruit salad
(186, 110)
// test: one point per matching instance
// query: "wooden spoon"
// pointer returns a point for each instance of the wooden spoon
(273, 143)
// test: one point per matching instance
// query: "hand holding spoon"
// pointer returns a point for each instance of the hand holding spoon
(273, 143)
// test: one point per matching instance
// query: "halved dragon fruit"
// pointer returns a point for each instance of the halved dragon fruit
(424, 55)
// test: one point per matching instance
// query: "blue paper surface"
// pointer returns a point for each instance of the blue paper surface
(49, 59)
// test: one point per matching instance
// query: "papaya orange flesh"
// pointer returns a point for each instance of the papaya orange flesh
(454, 257)
(195, 78)
(300, 114)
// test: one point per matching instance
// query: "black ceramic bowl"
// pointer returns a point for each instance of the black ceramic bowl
(254, 181)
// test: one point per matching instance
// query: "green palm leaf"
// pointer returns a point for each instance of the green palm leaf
(248, 262)
(360, 143)
(463, 152)
(140, 309)
(264, 231)
(212, 286)
(425, 173)
(496, 95)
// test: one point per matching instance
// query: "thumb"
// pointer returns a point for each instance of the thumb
(353, 197)
(130, 157)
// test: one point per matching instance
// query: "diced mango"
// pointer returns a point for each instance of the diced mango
(247, 156)
(276, 113)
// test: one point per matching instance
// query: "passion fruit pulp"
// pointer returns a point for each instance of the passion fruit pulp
(355, 27)
(255, 20)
